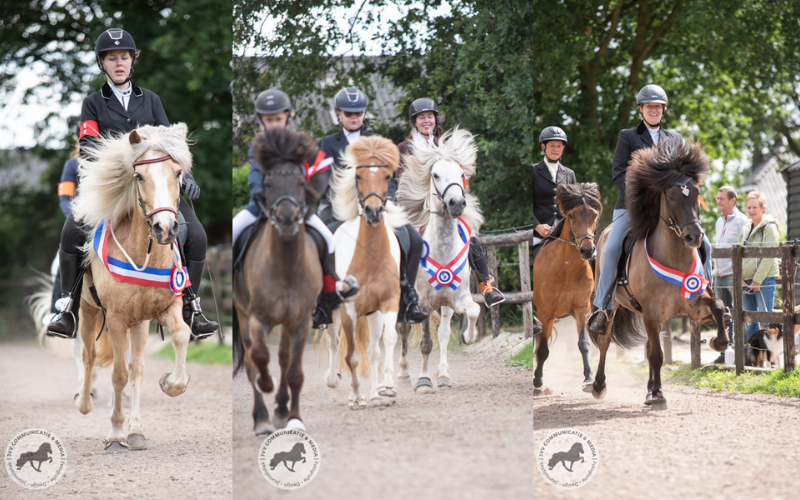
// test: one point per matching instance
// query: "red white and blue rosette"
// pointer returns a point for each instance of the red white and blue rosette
(178, 280)
(692, 284)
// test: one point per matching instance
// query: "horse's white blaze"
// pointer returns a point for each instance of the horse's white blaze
(161, 196)
(449, 173)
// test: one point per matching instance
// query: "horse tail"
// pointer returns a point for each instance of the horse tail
(627, 330)
(238, 345)
(362, 348)
(103, 349)
(39, 307)
(416, 329)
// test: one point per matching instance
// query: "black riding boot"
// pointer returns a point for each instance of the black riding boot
(477, 260)
(65, 324)
(193, 315)
(409, 311)
(344, 290)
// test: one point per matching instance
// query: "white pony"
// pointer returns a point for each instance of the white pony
(367, 249)
(434, 193)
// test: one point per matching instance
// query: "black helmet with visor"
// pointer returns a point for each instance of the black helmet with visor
(114, 39)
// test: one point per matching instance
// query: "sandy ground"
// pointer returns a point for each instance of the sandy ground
(189, 437)
(471, 441)
(706, 445)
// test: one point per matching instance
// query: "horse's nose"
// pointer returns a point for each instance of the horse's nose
(586, 253)
(457, 204)
(173, 230)
(161, 231)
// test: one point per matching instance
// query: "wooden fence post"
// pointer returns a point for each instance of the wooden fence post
(668, 342)
(491, 261)
(787, 272)
(525, 286)
(738, 315)
(695, 345)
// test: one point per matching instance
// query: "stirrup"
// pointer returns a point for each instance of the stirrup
(64, 306)
(352, 293)
(197, 311)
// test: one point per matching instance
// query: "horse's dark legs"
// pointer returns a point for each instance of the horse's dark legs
(721, 341)
(599, 385)
(404, 329)
(295, 374)
(541, 353)
(583, 346)
(256, 362)
(655, 357)
(285, 352)
(425, 347)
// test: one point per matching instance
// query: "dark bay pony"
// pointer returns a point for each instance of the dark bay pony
(661, 195)
(562, 274)
(279, 279)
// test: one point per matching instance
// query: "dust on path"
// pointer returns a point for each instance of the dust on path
(471, 441)
(706, 445)
(189, 436)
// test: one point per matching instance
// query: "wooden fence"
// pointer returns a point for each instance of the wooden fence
(787, 252)
(525, 296)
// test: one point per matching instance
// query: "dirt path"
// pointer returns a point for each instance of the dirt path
(189, 436)
(706, 445)
(468, 442)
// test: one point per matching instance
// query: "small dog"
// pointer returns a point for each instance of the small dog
(766, 347)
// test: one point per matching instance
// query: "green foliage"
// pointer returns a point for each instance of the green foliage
(523, 358)
(241, 193)
(708, 377)
(207, 352)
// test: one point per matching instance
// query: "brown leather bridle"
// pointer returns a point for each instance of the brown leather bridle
(149, 216)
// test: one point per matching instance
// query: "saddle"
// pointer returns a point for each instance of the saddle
(628, 242)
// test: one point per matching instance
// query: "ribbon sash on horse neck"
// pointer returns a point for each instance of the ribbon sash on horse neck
(690, 283)
(447, 275)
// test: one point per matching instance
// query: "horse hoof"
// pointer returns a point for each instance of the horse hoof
(295, 423)
(599, 394)
(359, 404)
(137, 442)
(423, 382)
(542, 391)
(587, 386)
(279, 422)
(404, 380)
(387, 391)
(649, 399)
(444, 381)
(658, 402)
(169, 389)
(263, 427)
(268, 387)
(719, 344)
(381, 402)
(115, 447)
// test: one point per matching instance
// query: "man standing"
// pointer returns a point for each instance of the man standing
(728, 227)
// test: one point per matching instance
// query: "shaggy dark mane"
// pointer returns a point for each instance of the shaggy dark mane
(651, 171)
(278, 146)
(571, 196)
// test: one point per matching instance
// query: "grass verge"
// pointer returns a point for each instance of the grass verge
(207, 353)
(775, 382)
(523, 358)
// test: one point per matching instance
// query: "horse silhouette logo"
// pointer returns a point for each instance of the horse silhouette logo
(571, 456)
(284, 457)
(40, 455)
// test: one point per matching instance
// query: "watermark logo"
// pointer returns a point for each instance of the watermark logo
(36, 459)
(289, 459)
(567, 459)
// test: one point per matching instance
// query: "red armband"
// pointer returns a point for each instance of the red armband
(89, 127)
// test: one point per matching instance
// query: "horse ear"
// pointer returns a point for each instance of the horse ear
(134, 138)
(182, 128)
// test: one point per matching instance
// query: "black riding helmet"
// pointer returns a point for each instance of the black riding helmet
(351, 100)
(273, 101)
(552, 134)
(651, 93)
(115, 39)
(421, 105)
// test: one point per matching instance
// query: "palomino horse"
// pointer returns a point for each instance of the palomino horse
(562, 284)
(367, 249)
(661, 195)
(435, 196)
(279, 279)
(130, 187)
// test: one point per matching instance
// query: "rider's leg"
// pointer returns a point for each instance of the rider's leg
(409, 265)
(607, 284)
(477, 260)
(70, 254)
(195, 252)
(334, 291)
(244, 219)
(537, 325)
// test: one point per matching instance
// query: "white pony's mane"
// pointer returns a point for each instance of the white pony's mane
(107, 187)
(344, 199)
(414, 193)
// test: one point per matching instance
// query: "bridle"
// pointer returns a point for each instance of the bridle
(443, 193)
(363, 198)
(149, 215)
(577, 241)
(302, 208)
(672, 223)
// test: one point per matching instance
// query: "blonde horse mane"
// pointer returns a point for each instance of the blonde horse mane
(366, 150)
(414, 193)
(107, 187)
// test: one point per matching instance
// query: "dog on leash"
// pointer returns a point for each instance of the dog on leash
(766, 347)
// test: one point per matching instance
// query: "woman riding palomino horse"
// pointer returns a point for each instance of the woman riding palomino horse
(548, 174)
(665, 276)
(562, 284)
(351, 107)
(118, 108)
(282, 258)
(273, 109)
(652, 102)
(423, 117)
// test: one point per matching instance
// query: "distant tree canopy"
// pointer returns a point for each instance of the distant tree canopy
(185, 59)
(475, 62)
(731, 69)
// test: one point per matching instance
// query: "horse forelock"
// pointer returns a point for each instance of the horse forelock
(571, 196)
(107, 184)
(651, 171)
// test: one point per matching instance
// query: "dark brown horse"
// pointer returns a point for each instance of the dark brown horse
(662, 200)
(280, 279)
(562, 274)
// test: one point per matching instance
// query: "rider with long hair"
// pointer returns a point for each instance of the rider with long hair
(423, 117)
(350, 105)
(274, 109)
(118, 108)
(547, 175)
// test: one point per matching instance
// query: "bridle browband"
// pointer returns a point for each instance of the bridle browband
(672, 223)
(149, 216)
(302, 208)
(363, 198)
